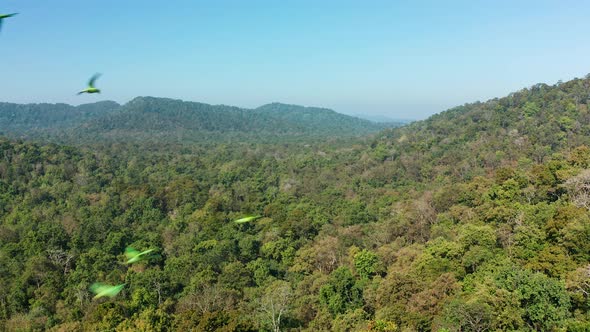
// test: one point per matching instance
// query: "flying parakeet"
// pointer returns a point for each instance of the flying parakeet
(134, 255)
(247, 219)
(91, 88)
(102, 290)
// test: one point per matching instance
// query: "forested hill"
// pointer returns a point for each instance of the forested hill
(527, 126)
(146, 117)
(476, 219)
(24, 118)
(169, 120)
(320, 119)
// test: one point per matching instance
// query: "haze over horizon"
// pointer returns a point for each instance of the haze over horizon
(377, 57)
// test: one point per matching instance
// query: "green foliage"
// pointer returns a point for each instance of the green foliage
(505, 296)
(382, 326)
(354, 320)
(473, 220)
(365, 263)
(341, 293)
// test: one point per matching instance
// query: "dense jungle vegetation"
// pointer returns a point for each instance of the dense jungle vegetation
(476, 219)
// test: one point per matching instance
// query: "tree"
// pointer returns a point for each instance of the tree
(275, 302)
(365, 263)
(579, 189)
(341, 292)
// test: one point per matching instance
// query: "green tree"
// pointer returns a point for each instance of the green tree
(341, 293)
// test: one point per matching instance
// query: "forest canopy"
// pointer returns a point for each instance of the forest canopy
(476, 219)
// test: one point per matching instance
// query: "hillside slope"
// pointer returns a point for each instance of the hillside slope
(526, 126)
(476, 219)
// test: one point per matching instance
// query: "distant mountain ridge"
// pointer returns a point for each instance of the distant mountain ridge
(16, 117)
(379, 118)
(171, 119)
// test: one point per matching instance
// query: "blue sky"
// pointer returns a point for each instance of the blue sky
(404, 59)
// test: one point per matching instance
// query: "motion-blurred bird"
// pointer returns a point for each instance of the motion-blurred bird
(102, 290)
(247, 219)
(3, 16)
(91, 88)
(134, 255)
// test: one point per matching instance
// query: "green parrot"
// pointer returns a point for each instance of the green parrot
(3, 16)
(247, 219)
(102, 290)
(134, 255)
(91, 88)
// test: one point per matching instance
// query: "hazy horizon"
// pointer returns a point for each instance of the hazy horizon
(397, 60)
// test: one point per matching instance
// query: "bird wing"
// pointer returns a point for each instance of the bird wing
(114, 290)
(5, 16)
(131, 253)
(93, 79)
(247, 219)
(145, 252)
(101, 289)
(98, 288)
